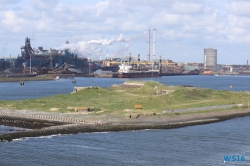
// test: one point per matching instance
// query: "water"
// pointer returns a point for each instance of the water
(8, 129)
(35, 89)
(194, 145)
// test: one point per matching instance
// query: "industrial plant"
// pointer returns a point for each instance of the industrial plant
(53, 62)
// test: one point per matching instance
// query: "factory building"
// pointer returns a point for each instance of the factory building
(210, 58)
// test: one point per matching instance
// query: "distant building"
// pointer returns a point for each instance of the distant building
(168, 61)
(189, 67)
(210, 58)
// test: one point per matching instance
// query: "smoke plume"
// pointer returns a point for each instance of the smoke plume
(94, 48)
(108, 42)
(121, 50)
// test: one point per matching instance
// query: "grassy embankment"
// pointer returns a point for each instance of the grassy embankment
(118, 100)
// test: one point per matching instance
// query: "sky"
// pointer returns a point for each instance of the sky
(184, 28)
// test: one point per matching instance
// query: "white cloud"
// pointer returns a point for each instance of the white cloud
(165, 18)
(101, 6)
(132, 26)
(6, 2)
(11, 21)
(177, 34)
(186, 8)
(239, 7)
(194, 23)
(238, 21)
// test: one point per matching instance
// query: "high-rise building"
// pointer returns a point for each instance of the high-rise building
(210, 58)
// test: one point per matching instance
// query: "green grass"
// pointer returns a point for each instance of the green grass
(116, 100)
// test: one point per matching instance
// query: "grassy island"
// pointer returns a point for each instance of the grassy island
(129, 106)
(121, 99)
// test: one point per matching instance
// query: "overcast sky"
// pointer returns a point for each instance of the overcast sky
(93, 27)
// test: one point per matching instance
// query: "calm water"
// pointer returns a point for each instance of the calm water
(196, 145)
(35, 89)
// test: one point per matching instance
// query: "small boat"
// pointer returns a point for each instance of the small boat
(56, 78)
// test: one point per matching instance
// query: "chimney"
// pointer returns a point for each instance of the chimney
(154, 46)
(149, 45)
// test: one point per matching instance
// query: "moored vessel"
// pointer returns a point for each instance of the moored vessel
(126, 71)
(139, 74)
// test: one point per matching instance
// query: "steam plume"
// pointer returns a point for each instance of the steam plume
(108, 42)
(88, 48)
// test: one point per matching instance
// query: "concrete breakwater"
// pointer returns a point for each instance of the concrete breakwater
(27, 123)
(56, 118)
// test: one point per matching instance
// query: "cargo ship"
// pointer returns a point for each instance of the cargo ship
(138, 74)
(126, 71)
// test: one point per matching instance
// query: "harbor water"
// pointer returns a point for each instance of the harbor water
(194, 145)
(35, 89)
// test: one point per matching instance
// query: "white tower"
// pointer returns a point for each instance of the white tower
(154, 46)
(149, 45)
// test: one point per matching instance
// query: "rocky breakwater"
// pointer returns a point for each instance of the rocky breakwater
(87, 128)
(41, 124)
(50, 127)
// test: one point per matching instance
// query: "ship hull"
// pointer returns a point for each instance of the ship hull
(105, 75)
(138, 75)
(178, 74)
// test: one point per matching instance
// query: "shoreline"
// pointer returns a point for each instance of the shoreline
(44, 127)
(46, 77)
(18, 79)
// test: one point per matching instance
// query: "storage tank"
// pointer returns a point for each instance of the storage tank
(210, 58)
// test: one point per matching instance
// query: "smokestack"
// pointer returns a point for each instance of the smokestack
(149, 45)
(107, 55)
(205, 61)
(154, 46)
